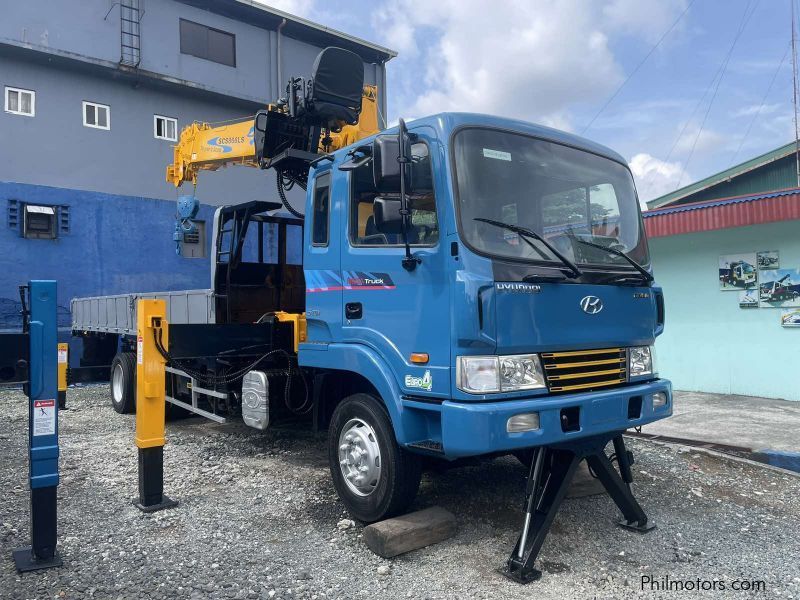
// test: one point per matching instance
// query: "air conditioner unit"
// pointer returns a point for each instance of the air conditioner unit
(39, 222)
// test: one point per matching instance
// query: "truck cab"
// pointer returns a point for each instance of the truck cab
(526, 318)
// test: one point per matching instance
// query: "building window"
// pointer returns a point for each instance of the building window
(194, 244)
(20, 102)
(210, 44)
(165, 128)
(96, 115)
(321, 216)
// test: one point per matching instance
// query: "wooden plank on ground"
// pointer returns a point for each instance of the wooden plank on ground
(409, 532)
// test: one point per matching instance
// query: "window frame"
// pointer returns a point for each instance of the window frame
(352, 224)
(96, 105)
(328, 180)
(166, 120)
(20, 91)
(207, 56)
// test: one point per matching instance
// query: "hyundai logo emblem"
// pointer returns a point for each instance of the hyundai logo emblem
(591, 305)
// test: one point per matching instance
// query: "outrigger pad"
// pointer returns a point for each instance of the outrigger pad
(520, 576)
(634, 526)
(25, 560)
(165, 503)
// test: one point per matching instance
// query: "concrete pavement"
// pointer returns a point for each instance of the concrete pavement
(750, 422)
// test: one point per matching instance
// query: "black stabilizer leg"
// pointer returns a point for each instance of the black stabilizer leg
(41, 554)
(618, 486)
(555, 468)
(151, 481)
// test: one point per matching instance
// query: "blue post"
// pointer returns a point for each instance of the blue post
(42, 390)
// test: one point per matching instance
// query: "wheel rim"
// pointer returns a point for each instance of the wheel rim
(117, 384)
(359, 457)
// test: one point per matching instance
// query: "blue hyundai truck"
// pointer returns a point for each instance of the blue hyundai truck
(465, 285)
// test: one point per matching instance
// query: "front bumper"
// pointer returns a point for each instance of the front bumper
(470, 429)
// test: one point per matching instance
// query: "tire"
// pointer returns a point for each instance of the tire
(391, 481)
(122, 382)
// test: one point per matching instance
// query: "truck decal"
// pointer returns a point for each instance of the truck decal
(330, 281)
(423, 383)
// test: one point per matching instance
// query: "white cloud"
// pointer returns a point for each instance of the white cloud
(523, 59)
(645, 18)
(655, 177)
(298, 8)
(708, 140)
(760, 109)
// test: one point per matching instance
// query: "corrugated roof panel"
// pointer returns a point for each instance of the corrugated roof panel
(723, 214)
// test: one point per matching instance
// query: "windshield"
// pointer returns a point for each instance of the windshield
(561, 193)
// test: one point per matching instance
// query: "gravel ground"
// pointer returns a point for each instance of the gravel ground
(259, 518)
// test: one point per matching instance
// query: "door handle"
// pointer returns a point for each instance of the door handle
(353, 310)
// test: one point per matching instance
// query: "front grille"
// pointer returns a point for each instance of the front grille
(585, 369)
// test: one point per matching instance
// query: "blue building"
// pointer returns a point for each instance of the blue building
(95, 94)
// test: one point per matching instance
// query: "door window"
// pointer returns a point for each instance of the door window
(321, 216)
(424, 226)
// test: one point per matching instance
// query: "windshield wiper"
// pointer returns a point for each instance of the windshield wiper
(645, 273)
(525, 234)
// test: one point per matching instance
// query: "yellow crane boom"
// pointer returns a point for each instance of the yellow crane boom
(207, 146)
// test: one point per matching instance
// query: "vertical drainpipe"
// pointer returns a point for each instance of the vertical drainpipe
(280, 59)
(383, 94)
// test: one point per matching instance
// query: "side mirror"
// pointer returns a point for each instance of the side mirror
(385, 167)
(388, 218)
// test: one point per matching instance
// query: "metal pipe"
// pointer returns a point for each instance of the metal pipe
(280, 75)
(534, 475)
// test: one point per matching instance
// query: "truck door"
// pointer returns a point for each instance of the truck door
(393, 311)
(321, 260)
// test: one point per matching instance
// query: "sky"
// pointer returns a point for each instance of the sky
(714, 91)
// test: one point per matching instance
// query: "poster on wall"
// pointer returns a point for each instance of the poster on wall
(779, 288)
(768, 259)
(748, 299)
(738, 271)
(790, 318)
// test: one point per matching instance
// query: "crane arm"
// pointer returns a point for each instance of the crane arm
(205, 146)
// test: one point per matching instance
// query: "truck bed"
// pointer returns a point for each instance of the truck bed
(117, 314)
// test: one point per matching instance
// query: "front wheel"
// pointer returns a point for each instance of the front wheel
(373, 475)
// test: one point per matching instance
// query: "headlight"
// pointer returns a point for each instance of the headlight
(490, 374)
(477, 374)
(641, 361)
(520, 372)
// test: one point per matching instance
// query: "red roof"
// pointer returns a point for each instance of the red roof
(724, 213)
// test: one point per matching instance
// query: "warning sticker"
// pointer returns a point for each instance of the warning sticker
(139, 350)
(44, 417)
(62, 354)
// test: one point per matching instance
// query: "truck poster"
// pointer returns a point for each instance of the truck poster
(790, 318)
(779, 288)
(738, 272)
(768, 259)
(748, 299)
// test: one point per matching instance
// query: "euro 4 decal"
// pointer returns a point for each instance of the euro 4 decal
(421, 383)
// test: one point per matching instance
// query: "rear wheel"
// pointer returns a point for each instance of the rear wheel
(123, 382)
(373, 475)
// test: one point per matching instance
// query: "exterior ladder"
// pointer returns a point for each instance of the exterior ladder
(130, 19)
